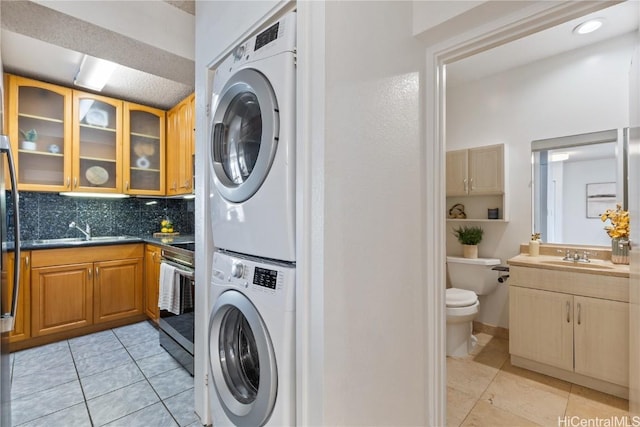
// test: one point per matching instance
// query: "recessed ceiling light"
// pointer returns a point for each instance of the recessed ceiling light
(588, 26)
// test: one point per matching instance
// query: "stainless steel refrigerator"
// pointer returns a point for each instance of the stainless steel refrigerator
(7, 305)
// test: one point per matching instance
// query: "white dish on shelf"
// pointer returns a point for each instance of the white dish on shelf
(28, 145)
(97, 175)
(97, 117)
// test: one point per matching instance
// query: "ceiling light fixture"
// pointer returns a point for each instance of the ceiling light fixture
(94, 73)
(588, 26)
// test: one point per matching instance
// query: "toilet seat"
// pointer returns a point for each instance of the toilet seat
(460, 297)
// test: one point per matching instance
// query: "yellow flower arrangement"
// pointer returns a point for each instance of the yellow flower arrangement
(619, 228)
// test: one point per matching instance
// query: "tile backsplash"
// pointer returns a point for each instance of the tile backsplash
(47, 215)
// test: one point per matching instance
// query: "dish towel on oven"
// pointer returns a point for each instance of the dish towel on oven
(169, 295)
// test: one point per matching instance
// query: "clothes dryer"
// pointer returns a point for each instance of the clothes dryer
(252, 145)
(251, 342)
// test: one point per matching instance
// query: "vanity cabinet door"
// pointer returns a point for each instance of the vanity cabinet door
(601, 329)
(541, 326)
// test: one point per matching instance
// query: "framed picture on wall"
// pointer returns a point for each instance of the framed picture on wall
(600, 197)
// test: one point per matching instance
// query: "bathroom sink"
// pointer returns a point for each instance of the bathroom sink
(594, 265)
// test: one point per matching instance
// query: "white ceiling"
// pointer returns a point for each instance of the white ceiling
(152, 41)
(618, 20)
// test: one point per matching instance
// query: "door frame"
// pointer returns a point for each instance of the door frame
(533, 18)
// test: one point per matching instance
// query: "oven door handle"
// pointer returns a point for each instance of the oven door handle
(182, 270)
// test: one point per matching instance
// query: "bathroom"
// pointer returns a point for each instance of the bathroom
(584, 90)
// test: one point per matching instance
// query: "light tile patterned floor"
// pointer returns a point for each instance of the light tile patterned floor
(119, 377)
(484, 389)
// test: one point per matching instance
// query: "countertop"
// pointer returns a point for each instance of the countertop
(29, 245)
(549, 262)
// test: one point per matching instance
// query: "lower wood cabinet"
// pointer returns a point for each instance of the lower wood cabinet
(22, 329)
(579, 334)
(62, 298)
(103, 283)
(152, 257)
(117, 289)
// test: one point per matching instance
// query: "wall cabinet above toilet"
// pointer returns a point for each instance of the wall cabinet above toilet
(476, 179)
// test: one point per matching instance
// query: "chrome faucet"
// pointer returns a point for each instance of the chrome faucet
(576, 256)
(86, 231)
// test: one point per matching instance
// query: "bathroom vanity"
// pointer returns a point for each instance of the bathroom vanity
(570, 320)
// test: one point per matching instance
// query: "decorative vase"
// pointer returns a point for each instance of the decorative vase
(620, 251)
(534, 247)
(470, 251)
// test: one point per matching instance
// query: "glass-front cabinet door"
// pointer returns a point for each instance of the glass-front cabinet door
(97, 143)
(40, 131)
(144, 136)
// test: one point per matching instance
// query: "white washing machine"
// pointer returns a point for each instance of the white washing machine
(252, 145)
(252, 342)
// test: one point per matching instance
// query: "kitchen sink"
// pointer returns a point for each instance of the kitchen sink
(80, 240)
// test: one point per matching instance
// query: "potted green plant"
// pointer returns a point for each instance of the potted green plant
(29, 139)
(470, 237)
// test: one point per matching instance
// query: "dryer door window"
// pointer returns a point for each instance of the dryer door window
(244, 136)
(242, 360)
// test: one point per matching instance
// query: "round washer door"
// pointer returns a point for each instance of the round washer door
(244, 135)
(242, 361)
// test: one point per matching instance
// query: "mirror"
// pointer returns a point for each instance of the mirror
(575, 179)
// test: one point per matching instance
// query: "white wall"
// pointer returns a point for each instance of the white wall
(577, 92)
(374, 329)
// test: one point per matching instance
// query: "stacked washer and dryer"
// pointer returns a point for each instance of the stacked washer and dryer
(252, 291)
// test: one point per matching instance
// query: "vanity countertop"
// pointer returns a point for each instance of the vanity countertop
(554, 262)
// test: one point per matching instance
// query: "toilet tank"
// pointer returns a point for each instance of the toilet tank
(473, 274)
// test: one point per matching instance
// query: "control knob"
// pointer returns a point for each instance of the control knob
(237, 270)
(238, 52)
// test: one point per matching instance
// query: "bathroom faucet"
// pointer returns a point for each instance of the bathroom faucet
(576, 256)
(86, 232)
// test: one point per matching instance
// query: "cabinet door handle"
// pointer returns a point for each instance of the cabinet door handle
(472, 186)
(568, 305)
(466, 185)
(89, 274)
(75, 182)
(68, 181)
(579, 314)
(126, 185)
(26, 262)
(97, 272)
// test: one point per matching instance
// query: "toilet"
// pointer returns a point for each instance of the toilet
(469, 277)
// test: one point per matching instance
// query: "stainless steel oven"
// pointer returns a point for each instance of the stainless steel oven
(176, 329)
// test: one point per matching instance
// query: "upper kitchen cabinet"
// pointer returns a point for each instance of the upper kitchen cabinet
(180, 147)
(97, 143)
(144, 150)
(476, 179)
(40, 127)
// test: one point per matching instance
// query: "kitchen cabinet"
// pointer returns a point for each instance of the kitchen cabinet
(102, 284)
(43, 112)
(476, 178)
(97, 143)
(62, 298)
(144, 150)
(117, 289)
(579, 338)
(22, 329)
(152, 259)
(180, 147)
